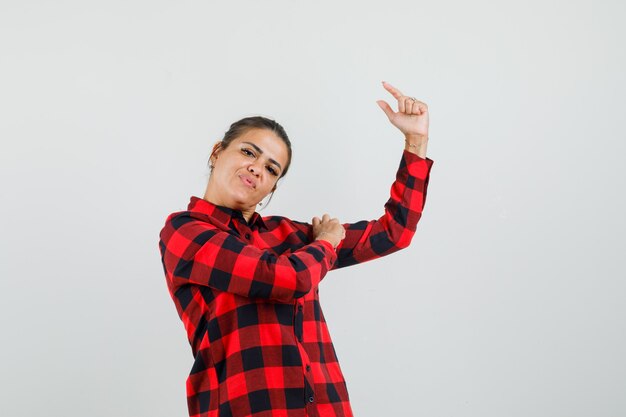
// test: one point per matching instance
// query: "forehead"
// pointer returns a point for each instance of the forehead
(269, 142)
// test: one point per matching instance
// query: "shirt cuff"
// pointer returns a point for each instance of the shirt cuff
(327, 244)
(416, 165)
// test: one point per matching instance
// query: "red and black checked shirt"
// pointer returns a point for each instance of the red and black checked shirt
(247, 294)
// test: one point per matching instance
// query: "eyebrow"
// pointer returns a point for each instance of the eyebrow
(273, 161)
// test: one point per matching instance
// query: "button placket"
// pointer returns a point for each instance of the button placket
(305, 360)
(298, 322)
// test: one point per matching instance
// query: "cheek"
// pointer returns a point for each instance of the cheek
(232, 163)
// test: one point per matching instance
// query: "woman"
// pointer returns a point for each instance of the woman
(246, 286)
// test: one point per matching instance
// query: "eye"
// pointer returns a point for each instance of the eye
(272, 170)
(247, 151)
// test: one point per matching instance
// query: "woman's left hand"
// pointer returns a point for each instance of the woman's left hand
(412, 115)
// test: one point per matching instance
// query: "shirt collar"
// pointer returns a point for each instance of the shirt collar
(223, 214)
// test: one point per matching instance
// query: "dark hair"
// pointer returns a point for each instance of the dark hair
(240, 127)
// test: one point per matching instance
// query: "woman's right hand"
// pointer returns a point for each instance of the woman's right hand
(328, 229)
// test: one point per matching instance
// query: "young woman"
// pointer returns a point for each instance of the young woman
(246, 286)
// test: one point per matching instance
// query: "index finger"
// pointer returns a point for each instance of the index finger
(393, 90)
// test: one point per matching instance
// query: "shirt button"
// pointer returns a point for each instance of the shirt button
(311, 399)
(247, 235)
(299, 308)
(308, 368)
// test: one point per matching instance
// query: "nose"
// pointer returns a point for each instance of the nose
(255, 168)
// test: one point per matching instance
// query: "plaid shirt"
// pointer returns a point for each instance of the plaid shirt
(247, 294)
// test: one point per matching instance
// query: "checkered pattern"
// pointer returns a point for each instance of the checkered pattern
(247, 294)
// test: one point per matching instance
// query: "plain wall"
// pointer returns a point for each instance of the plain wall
(511, 299)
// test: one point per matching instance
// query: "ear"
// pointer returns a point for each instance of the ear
(217, 148)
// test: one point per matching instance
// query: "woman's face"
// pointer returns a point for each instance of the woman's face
(247, 170)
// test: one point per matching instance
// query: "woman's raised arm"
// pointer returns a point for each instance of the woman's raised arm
(370, 239)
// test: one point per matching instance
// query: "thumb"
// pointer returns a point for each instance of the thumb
(386, 108)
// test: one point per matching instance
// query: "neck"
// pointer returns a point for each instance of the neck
(246, 212)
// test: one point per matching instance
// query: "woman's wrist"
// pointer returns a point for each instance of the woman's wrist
(416, 144)
(318, 237)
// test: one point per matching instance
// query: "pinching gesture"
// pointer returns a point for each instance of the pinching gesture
(411, 117)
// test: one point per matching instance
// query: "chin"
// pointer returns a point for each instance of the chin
(243, 198)
(240, 202)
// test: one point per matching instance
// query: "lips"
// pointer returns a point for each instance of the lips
(247, 180)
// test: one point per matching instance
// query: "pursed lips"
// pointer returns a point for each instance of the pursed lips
(248, 181)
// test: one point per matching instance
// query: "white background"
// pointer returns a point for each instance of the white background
(510, 300)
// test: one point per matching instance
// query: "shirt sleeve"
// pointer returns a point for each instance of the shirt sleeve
(370, 239)
(196, 252)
